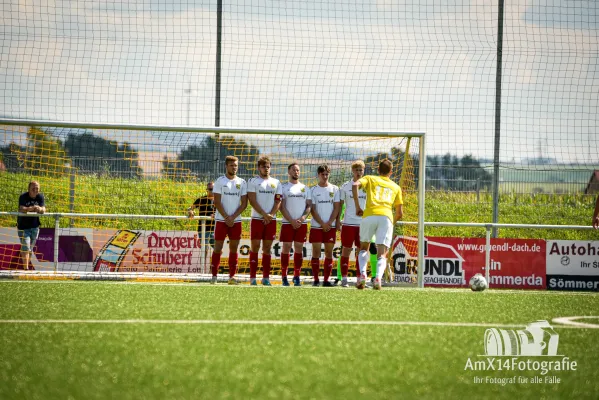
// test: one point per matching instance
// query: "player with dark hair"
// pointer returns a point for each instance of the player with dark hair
(383, 196)
(230, 199)
(325, 216)
(350, 229)
(295, 207)
(264, 194)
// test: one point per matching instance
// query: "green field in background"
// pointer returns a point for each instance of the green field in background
(174, 359)
(152, 197)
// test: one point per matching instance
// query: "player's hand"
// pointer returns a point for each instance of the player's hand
(296, 223)
(267, 219)
(596, 222)
(190, 213)
(359, 212)
(230, 221)
(37, 209)
(326, 227)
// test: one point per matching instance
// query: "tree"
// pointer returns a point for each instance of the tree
(93, 154)
(10, 157)
(201, 161)
(44, 154)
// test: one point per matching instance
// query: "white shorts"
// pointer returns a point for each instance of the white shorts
(379, 226)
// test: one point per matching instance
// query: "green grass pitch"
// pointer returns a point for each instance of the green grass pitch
(99, 340)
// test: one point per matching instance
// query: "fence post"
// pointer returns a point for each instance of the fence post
(71, 192)
(56, 240)
(478, 190)
(488, 255)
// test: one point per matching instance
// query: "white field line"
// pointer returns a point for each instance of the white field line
(570, 321)
(273, 322)
(308, 285)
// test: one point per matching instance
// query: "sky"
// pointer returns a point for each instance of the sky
(403, 65)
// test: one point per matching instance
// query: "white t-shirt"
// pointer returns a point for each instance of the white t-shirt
(266, 190)
(231, 191)
(346, 195)
(323, 200)
(296, 195)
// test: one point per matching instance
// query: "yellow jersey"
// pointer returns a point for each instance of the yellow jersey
(382, 196)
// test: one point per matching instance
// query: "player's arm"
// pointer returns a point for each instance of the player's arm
(243, 204)
(398, 207)
(355, 187)
(254, 203)
(284, 211)
(316, 217)
(277, 205)
(335, 214)
(596, 214)
(219, 205)
(398, 213)
(307, 210)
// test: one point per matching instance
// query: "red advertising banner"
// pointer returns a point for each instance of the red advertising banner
(451, 262)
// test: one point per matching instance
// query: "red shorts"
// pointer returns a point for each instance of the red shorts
(221, 231)
(317, 235)
(259, 231)
(350, 236)
(288, 234)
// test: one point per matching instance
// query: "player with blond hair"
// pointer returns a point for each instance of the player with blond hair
(383, 197)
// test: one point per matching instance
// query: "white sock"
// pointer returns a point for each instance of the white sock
(362, 260)
(381, 265)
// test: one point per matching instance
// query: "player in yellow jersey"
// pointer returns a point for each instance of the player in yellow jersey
(384, 207)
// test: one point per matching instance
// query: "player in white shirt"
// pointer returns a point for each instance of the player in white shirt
(264, 194)
(295, 207)
(325, 217)
(350, 229)
(230, 199)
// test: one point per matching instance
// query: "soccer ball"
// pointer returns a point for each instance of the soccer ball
(478, 283)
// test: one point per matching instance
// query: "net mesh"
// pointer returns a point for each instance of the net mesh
(155, 173)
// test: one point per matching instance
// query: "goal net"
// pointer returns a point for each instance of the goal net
(116, 196)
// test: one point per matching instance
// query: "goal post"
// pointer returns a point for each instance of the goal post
(92, 173)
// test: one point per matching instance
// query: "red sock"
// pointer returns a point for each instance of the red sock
(233, 264)
(298, 261)
(266, 265)
(344, 266)
(315, 262)
(328, 267)
(284, 264)
(215, 263)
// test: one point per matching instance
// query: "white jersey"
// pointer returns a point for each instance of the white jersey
(296, 196)
(347, 196)
(231, 191)
(266, 190)
(323, 200)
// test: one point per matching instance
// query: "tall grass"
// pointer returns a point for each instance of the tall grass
(98, 194)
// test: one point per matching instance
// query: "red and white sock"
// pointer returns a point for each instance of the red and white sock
(328, 268)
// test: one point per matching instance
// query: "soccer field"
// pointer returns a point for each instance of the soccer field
(139, 340)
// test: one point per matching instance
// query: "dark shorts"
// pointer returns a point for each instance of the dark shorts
(221, 231)
(317, 235)
(288, 234)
